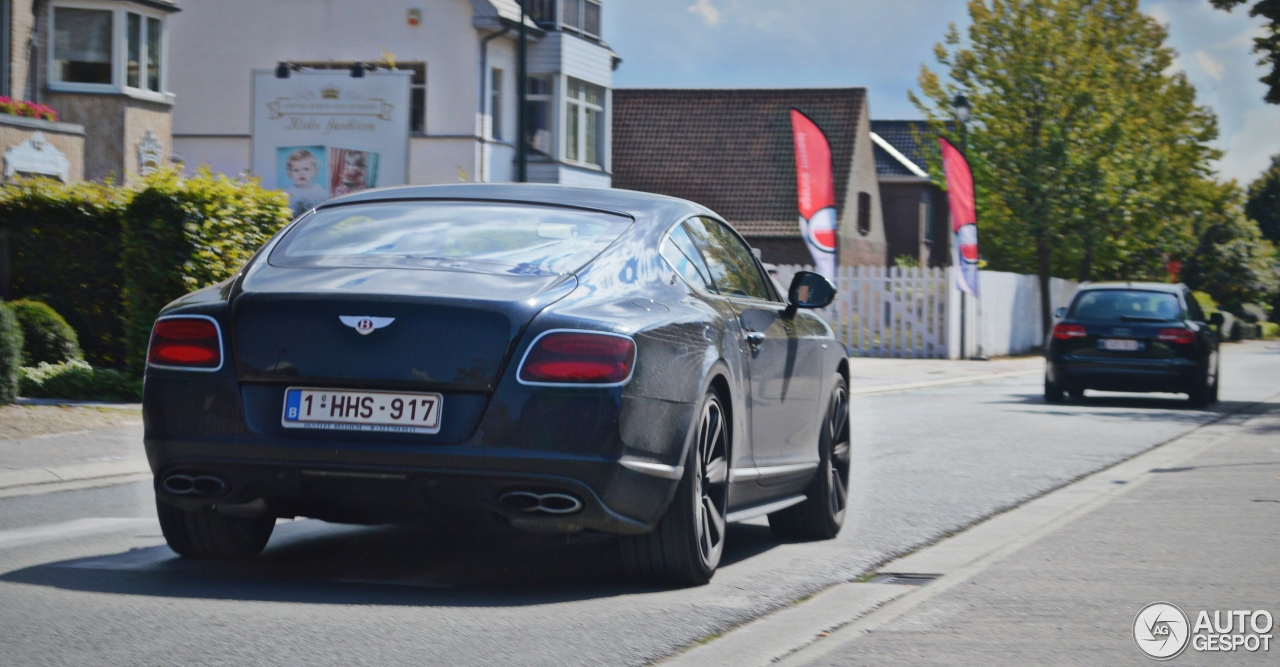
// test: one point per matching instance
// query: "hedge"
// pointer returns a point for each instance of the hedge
(46, 336)
(78, 381)
(64, 245)
(182, 234)
(10, 354)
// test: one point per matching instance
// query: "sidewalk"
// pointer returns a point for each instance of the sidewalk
(1060, 580)
(873, 376)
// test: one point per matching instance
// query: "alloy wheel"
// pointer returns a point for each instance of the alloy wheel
(711, 482)
(838, 466)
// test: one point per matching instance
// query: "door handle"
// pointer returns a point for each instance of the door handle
(755, 338)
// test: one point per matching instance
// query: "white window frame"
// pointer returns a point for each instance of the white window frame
(572, 106)
(119, 51)
(582, 17)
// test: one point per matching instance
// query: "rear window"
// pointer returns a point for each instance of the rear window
(479, 237)
(1126, 306)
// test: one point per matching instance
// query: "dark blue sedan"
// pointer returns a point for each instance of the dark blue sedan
(541, 358)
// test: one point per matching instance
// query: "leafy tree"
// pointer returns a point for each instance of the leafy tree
(1232, 261)
(1263, 204)
(1268, 44)
(1082, 145)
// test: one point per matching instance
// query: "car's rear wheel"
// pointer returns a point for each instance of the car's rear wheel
(1053, 392)
(686, 545)
(1076, 393)
(822, 513)
(1201, 393)
(205, 534)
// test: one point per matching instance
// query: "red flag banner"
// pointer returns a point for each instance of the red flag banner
(964, 216)
(816, 189)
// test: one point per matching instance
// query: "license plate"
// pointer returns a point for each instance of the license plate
(1120, 344)
(362, 410)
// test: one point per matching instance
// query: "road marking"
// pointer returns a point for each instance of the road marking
(77, 528)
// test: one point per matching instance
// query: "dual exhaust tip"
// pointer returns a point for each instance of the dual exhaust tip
(194, 485)
(541, 503)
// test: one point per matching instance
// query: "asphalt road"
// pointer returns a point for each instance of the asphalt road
(85, 578)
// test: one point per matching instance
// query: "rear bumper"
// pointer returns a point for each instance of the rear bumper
(1137, 375)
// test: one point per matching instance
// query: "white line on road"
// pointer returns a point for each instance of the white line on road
(77, 528)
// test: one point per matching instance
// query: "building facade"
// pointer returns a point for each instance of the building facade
(732, 150)
(463, 59)
(916, 216)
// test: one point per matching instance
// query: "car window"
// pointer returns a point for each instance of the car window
(467, 236)
(1193, 308)
(732, 266)
(680, 252)
(1126, 306)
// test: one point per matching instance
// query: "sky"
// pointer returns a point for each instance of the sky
(881, 44)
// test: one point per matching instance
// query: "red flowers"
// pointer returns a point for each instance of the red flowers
(29, 109)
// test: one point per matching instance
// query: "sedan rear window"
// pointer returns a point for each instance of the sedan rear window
(463, 236)
(1126, 306)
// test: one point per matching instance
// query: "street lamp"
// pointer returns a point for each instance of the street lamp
(963, 111)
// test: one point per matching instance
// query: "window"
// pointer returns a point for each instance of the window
(926, 211)
(864, 213)
(82, 45)
(584, 123)
(107, 50)
(582, 16)
(1193, 308)
(495, 104)
(537, 116)
(733, 268)
(541, 11)
(417, 88)
(680, 252)
(143, 51)
(1126, 306)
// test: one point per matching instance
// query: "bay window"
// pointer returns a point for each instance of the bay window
(584, 123)
(106, 47)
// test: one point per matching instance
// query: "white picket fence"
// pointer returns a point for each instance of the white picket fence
(915, 313)
(887, 311)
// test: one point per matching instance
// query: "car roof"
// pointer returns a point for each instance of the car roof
(1145, 286)
(630, 202)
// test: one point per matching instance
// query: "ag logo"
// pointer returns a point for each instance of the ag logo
(364, 324)
(1161, 630)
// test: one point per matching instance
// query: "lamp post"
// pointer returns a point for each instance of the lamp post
(522, 120)
(962, 110)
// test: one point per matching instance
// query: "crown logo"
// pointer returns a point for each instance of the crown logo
(330, 92)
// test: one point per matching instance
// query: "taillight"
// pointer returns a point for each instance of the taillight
(1177, 336)
(578, 357)
(188, 342)
(1068, 331)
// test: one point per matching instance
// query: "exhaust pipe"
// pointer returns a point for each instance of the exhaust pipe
(544, 503)
(194, 485)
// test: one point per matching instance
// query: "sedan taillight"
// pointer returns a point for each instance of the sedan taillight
(187, 342)
(1068, 331)
(1177, 336)
(578, 357)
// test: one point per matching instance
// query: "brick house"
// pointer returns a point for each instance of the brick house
(732, 151)
(915, 210)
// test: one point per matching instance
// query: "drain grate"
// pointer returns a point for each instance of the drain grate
(902, 579)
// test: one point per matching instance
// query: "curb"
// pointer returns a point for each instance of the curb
(31, 477)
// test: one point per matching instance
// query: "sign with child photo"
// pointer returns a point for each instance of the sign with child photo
(319, 134)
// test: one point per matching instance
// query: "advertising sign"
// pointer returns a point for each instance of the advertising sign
(816, 189)
(323, 133)
(964, 216)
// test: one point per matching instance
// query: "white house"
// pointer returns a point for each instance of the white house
(463, 120)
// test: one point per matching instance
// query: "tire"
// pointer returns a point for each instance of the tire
(686, 545)
(1201, 394)
(1217, 381)
(1076, 393)
(207, 535)
(822, 513)
(1052, 392)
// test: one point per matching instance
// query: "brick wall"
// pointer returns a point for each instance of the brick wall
(21, 38)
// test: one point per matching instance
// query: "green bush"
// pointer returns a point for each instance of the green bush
(181, 234)
(64, 245)
(46, 337)
(10, 354)
(78, 381)
(1270, 330)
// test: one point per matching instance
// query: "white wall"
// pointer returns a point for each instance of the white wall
(1007, 314)
(226, 155)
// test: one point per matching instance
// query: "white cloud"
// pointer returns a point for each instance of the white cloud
(1210, 66)
(710, 15)
(1249, 151)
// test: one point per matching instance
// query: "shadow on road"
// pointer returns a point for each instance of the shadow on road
(314, 562)
(1136, 402)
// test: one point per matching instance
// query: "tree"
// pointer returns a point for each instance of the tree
(1232, 261)
(1263, 204)
(1082, 146)
(1268, 44)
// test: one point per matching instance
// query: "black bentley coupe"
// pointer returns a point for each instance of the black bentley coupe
(542, 358)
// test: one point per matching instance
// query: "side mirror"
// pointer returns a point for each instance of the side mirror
(810, 290)
(1060, 312)
(1217, 320)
